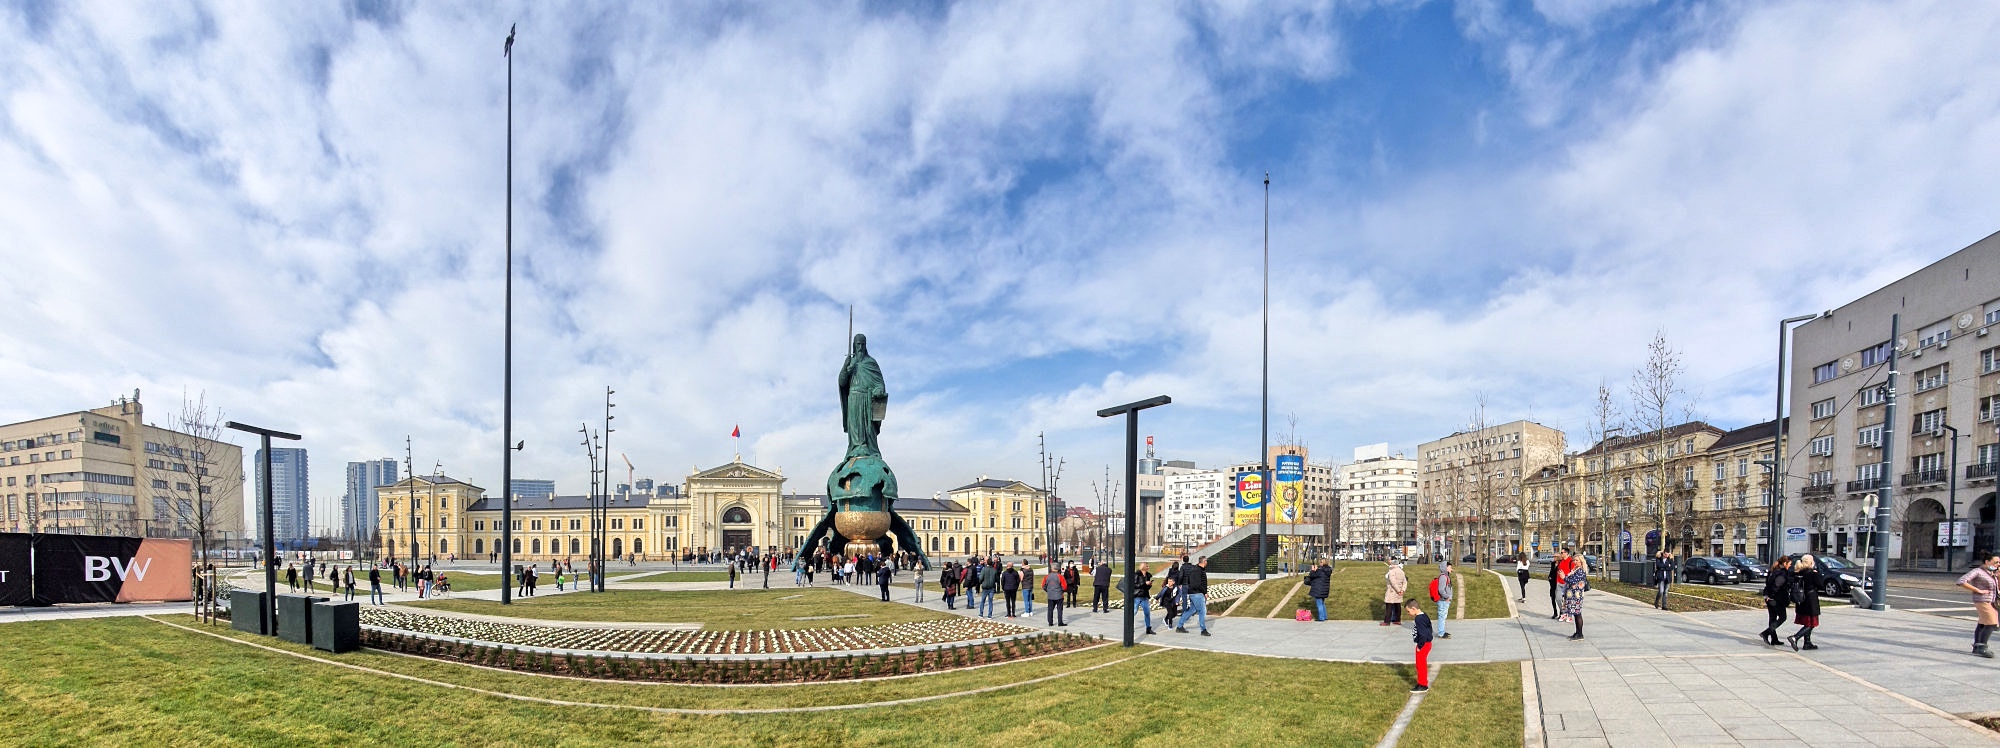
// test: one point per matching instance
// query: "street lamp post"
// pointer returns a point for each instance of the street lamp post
(270, 612)
(1887, 502)
(1778, 444)
(1264, 430)
(1951, 493)
(507, 366)
(1131, 413)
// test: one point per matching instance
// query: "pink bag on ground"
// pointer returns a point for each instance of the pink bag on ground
(1303, 615)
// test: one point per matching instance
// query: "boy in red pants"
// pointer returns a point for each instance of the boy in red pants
(1422, 623)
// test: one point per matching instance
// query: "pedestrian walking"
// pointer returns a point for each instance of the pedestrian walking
(1396, 583)
(1141, 590)
(1777, 598)
(883, 576)
(948, 581)
(1197, 595)
(1170, 600)
(1521, 573)
(1100, 588)
(1422, 636)
(292, 577)
(350, 583)
(732, 576)
(1441, 588)
(1010, 586)
(1806, 583)
(375, 586)
(1982, 583)
(1576, 580)
(917, 582)
(1317, 582)
(1663, 578)
(1027, 589)
(1053, 587)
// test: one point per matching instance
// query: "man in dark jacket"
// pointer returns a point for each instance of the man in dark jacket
(1075, 580)
(1195, 581)
(1010, 586)
(989, 582)
(1100, 587)
(1663, 577)
(1317, 582)
(375, 585)
(883, 576)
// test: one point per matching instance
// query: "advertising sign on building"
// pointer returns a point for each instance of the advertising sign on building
(1249, 497)
(1289, 484)
(1955, 534)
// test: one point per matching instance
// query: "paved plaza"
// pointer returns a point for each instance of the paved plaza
(1642, 677)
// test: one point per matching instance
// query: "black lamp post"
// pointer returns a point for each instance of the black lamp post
(1131, 413)
(507, 365)
(270, 611)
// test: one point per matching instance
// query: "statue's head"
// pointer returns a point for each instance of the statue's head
(860, 344)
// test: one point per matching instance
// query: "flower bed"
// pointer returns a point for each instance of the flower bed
(700, 642)
(1217, 592)
(808, 669)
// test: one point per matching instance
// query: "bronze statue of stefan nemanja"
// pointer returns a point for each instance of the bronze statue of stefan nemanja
(861, 492)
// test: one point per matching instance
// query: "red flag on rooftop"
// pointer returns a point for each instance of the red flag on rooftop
(736, 433)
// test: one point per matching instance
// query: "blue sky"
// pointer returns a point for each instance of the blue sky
(1036, 209)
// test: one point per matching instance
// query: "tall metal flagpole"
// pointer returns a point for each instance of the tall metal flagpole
(1264, 430)
(507, 367)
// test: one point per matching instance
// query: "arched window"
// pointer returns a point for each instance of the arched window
(617, 547)
(951, 544)
(1716, 531)
(736, 516)
(478, 545)
(537, 546)
(517, 545)
(1017, 545)
(1764, 529)
(575, 546)
(934, 544)
(1742, 531)
(638, 547)
(444, 545)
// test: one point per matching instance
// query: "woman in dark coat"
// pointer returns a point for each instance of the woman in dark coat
(1777, 597)
(1806, 582)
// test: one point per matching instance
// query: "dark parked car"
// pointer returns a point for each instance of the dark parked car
(1469, 558)
(1752, 570)
(1839, 576)
(1709, 570)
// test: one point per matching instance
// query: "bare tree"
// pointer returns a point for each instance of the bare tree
(1606, 423)
(186, 482)
(1659, 402)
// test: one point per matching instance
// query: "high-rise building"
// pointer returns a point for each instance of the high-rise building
(291, 501)
(1947, 355)
(529, 488)
(107, 472)
(361, 505)
(1195, 508)
(1378, 513)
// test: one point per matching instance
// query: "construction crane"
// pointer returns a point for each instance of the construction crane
(628, 471)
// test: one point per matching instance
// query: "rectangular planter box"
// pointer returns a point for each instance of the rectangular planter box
(246, 611)
(336, 627)
(295, 617)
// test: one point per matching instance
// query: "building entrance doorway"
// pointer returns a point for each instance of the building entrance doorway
(735, 540)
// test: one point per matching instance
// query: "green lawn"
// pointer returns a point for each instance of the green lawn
(132, 681)
(1258, 603)
(1683, 603)
(1470, 705)
(1355, 592)
(714, 609)
(685, 576)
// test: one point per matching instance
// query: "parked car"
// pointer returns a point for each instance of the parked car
(1545, 559)
(1752, 570)
(1710, 570)
(1840, 576)
(1469, 558)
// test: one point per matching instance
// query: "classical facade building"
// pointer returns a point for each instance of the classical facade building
(1639, 492)
(1002, 516)
(1469, 485)
(724, 508)
(107, 472)
(1735, 513)
(1378, 511)
(1948, 365)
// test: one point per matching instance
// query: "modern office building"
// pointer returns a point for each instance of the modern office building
(107, 472)
(1947, 354)
(291, 497)
(360, 506)
(1378, 513)
(530, 488)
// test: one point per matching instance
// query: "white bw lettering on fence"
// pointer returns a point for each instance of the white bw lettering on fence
(100, 568)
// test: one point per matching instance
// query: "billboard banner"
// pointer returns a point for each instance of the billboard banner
(1288, 483)
(100, 569)
(1249, 497)
(16, 578)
